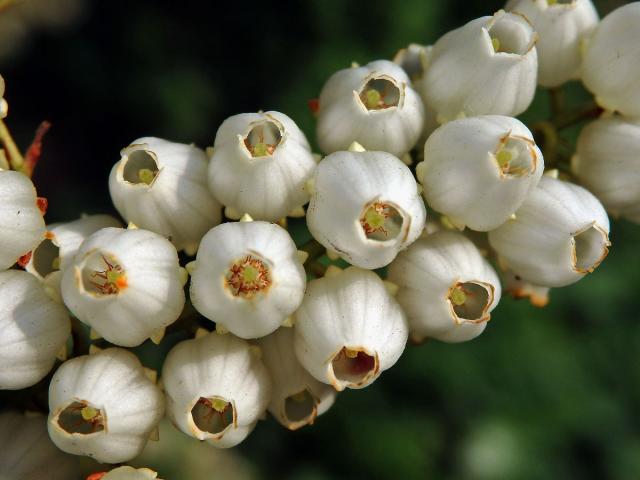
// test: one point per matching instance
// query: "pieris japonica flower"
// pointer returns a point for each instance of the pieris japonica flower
(247, 277)
(607, 162)
(162, 186)
(349, 329)
(21, 223)
(447, 288)
(217, 388)
(126, 473)
(610, 68)
(104, 406)
(297, 398)
(373, 105)
(488, 66)
(479, 170)
(562, 26)
(558, 235)
(125, 284)
(365, 206)
(33, 330)
(414, 60)
(259, 165)
(27, 453)
(62, 240)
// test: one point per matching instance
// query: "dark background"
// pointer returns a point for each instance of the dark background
(543, 393)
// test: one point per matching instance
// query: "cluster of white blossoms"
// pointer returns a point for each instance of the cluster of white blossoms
(434, 131)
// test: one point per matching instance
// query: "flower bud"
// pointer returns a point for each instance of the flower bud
(216, 387)
(247, 277)
(21, 223)
(446, 287)
(296, 398)
(479, 170)
(610, 68)
(27, 453)
(103, 406)
(365, 206)
(607, 162)
(558, 235)
(349, 329)
(260, 164)
(562, 26)
(488, 66)
(62, 241)
(33, 329)
(162, 186)
(373, 105)
(125, 284)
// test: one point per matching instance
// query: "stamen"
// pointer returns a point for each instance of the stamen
(248, 276)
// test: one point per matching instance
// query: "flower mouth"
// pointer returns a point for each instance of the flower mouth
(353, 367)
(559, 3)
(248, 276)
(516, 156)
(380, 92)
(589, 247)
(139, 166)
(381, 221)
(101, 274)
(510, 33)
(45, 258)
(81, 418)
(300, 409)
(213, 415)
(470, 301)
(263, 138)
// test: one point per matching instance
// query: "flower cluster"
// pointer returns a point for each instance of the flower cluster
(432, 132)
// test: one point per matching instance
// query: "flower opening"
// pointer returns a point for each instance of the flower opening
(102, 274)
(213, 414)
(248, 276)
(263, 139)
(81, 418)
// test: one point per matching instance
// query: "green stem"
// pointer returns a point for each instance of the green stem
(15, 157)
(589, 111)
(557, 100)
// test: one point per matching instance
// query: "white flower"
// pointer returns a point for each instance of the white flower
(33, 330)
(62, 240)
(247, 277)
(562, 26)
(607, 162)
(21, 223)
(488, 66)
(126, 284)
(373, 105)
(103, 406)
(610, 68)
(365, 206)
(447, 289)
(479, 170)
(162, 186)
(558, 235)
(216, 387)
(414, 61)
(349, 329)
(130, 473)
(296, 398)
(260, 164)
(27, 453)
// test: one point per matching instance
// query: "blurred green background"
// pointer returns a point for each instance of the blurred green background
(543, 393)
